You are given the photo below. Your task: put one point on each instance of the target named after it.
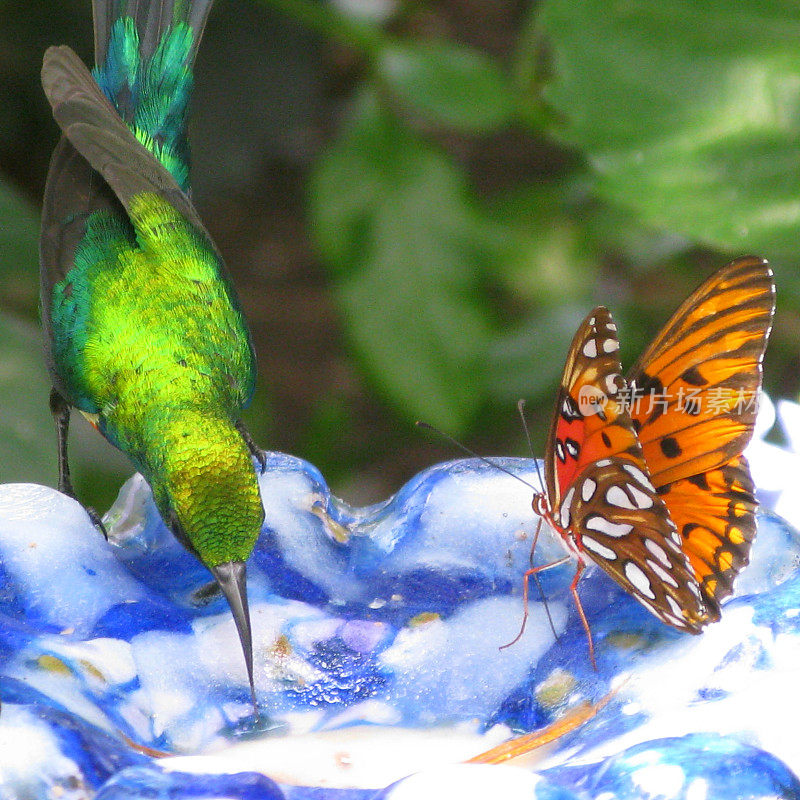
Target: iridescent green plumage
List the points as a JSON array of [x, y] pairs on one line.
[[145, 334]]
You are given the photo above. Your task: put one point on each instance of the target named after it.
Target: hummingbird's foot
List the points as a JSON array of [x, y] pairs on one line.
[[96, 521], [255, 451], [59, 408], [65, 487]]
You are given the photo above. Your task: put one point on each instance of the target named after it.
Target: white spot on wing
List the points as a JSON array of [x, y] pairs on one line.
[[676, 609], [648, 605], [603, 463], [639, 580], [563, 514], [611, 383], [615, 496], [590, 349], [602, 525], [587, 490], [600, 549], [658, 551], [662, 573], [611, 326], [641, 499], [678, 622], [631, 469], [610, 346]]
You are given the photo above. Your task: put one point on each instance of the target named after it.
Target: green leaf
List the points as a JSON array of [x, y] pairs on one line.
[[19, 251], [689, 113], [394, 218], [449, 83]]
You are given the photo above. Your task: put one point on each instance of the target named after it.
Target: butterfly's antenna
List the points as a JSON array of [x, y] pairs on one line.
[[521, 409], [472, 453], [533, 572]]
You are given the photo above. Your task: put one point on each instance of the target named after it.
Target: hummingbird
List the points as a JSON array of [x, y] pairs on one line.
[[144, 332]]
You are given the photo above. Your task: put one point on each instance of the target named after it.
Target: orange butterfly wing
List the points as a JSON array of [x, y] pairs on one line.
[[715, 514], [698, 382], [600, 496]]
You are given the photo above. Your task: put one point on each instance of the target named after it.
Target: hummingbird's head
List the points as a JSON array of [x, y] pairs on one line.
[[208, 492]]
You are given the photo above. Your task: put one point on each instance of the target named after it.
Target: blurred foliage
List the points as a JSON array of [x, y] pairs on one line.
[[475, 177], [404, 244], [683, 121]]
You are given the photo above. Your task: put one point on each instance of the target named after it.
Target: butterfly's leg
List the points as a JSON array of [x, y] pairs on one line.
[[538, 582], [535, 540], [525, 579], [525, 590], [574, 589]]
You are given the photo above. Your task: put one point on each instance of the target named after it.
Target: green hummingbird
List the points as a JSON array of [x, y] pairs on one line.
[[144, 332]]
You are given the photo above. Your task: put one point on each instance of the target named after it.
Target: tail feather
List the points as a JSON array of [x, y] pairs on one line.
[[145, 51], [151, 19]]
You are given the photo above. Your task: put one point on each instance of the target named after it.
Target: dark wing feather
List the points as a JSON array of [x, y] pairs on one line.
[[74, 191], [97, 132]]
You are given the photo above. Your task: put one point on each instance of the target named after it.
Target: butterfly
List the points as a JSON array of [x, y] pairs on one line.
[[645, 476]]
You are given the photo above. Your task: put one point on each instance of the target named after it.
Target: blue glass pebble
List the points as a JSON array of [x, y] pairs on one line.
[[154, 783], [377, 653], [693, 766]]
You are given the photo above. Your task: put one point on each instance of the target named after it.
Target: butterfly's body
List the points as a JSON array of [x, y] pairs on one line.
[[661, 498], [144, 332]]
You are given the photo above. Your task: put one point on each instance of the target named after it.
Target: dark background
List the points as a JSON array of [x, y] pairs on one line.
[[420, 201]]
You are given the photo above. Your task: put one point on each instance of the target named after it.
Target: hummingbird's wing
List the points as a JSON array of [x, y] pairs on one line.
[[74, 192], [96, 131], [100, 165]]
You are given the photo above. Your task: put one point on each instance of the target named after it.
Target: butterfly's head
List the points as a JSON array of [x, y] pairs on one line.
[[540, 505]]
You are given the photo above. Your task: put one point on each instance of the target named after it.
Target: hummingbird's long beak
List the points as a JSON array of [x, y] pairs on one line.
[[232, 579]]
